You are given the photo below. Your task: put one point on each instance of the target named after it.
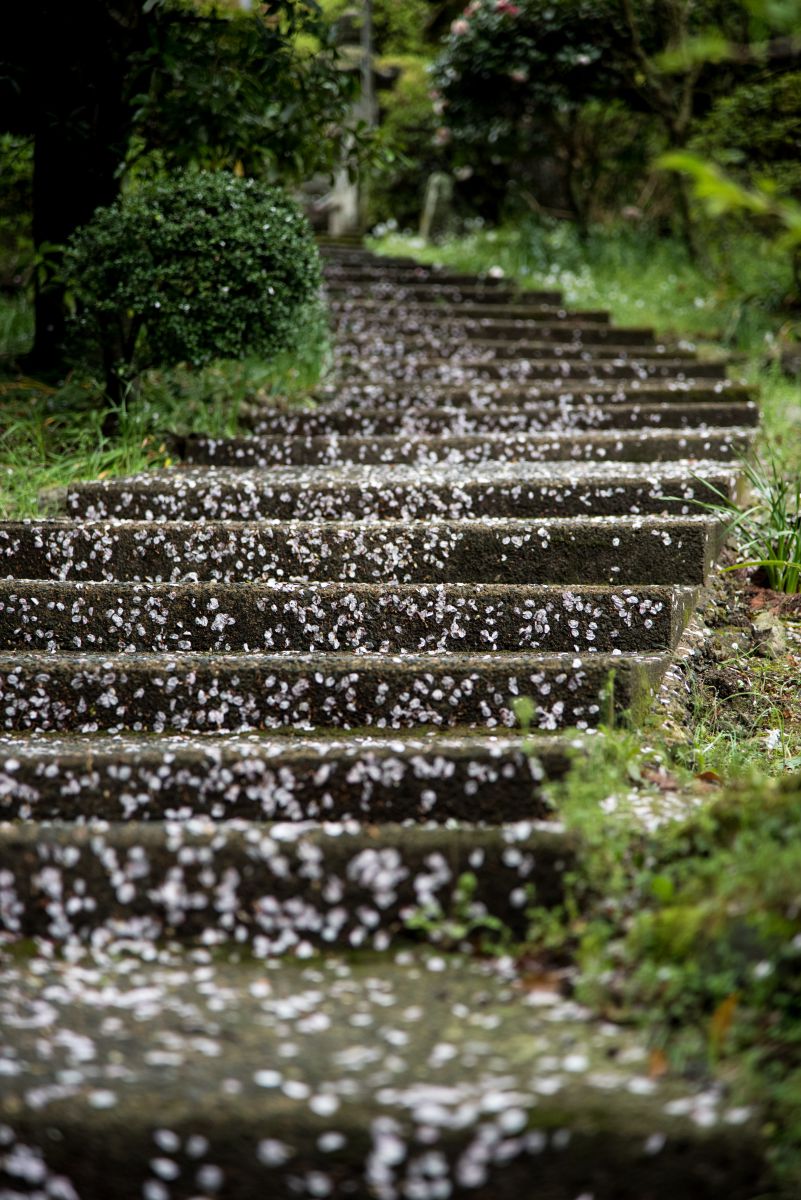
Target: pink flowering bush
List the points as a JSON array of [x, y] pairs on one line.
[[513, 78]]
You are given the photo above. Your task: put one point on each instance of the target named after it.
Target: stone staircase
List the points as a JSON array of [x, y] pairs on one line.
[[259, 708]]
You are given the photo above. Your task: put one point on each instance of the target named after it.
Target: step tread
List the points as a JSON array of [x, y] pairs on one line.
[[509, 1085]]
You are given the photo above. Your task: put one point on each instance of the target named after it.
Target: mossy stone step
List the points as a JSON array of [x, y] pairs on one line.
[[282, 887], [402, 491], [357, 1077], [619, 445], [458, 370], [471, 776], [431, 291], [501, 393], [57, 692], [418, 313], [556, 419], [505, 338], [338, 272], [481, 350], [620, 550], [364, 617]]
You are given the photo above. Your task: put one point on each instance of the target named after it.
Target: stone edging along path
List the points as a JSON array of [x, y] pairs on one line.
[[258, 709]]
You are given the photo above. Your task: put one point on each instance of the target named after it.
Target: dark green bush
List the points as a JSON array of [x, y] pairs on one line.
[[195, 267]]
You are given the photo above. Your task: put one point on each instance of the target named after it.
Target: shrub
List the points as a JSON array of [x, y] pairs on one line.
[[195, 267]]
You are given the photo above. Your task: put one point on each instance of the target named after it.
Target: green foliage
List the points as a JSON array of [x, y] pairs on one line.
[[693, 931], [224, 88], [16, 186], [466, 922], [767, 527], [400, 27], [51, 437], [512, 77], [641, 277], [755, 131], [197, 267], [408, 128]]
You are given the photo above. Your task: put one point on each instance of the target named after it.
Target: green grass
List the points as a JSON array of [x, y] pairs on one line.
[[640, 277], [52, 437]]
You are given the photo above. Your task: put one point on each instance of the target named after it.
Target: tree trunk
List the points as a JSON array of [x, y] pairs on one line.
[[58, 210], [76, 87]]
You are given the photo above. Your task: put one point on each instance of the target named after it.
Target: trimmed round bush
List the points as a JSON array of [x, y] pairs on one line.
[[198, 266]]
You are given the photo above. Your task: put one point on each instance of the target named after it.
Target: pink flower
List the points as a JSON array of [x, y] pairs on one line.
[[503, 6], [460, 27], [442, 136], [472, 9], [520, 75]]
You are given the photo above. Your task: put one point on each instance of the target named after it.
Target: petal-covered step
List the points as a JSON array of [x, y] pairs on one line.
[[346, 1077], [353, 272], [55, 692], [483, 350], [623, 445], [547, 418], [496, 320], [620, 550], [356, 313], [281, 887], [474, 777], [361, 617], [403, 291], [402, 491], [490, 393], [504, 337], [458, 369]]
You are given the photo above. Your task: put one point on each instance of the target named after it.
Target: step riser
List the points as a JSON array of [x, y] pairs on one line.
[[59, 693], [275, 894], [112, 617], [500, 394], [459, 422], [495, 351], [508, 339], [626, 446], [346, 276], [417, 314], [442, 371], [618, 552], [480, 782], [432, 293], [339, 500]]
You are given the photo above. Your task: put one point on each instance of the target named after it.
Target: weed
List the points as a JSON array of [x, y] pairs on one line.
[[466, 922]]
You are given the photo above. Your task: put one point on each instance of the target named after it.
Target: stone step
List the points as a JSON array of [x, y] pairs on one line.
[[345, 272], [355, 617], [624, 445], [557, 419], [473, 777], [460, 370], [404, 492], [502, 352], [503, 336], [500, 393], [58, 692], [425, 1076], [280, 887], [384, 312], [431, 291], [620, 550]]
